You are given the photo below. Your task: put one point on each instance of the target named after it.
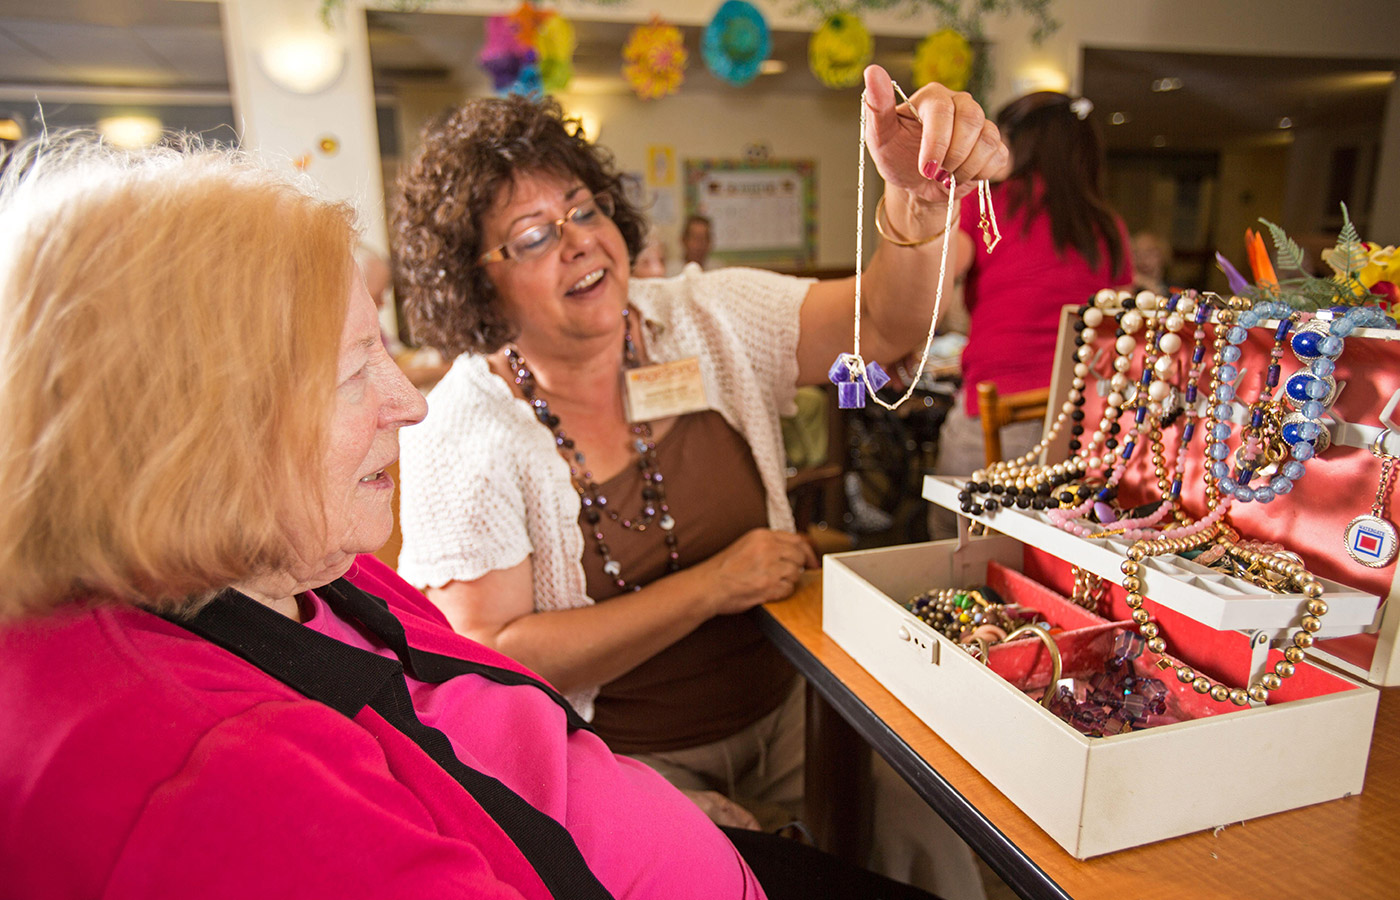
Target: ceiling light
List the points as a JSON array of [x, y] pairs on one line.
[[305, 62], [1159, 141], [1285, 122], [1117, 118], [1039, 78], [772, 67], [1162, 85], [131, 132], [588, 122]]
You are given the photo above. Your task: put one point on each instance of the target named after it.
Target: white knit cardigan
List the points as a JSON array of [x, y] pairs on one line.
[[484, 487]]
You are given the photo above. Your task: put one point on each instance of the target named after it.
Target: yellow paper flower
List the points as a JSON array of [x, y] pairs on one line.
[[945, 57], [555, 43], [840, 50], [655, 59], [555, 39]]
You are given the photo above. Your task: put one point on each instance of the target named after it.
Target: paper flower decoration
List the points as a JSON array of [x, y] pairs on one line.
[[529, 51], [528, 20], [555, 43], [736, 42], [655, 59], [503, 55], [840, 50], [945, 57]]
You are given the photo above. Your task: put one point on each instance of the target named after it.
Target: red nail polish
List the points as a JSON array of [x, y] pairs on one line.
[[931, 170], [941, 175]]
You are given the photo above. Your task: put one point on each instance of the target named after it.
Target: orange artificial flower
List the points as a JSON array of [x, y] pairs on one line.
[[1259, 262]]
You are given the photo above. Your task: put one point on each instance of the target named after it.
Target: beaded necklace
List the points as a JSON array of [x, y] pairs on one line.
[[1309, 393], [595, 504], [1212, 529], [1026, 484]]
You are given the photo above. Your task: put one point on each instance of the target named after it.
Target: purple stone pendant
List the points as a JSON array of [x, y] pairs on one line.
[[850, 393], [850, 385]]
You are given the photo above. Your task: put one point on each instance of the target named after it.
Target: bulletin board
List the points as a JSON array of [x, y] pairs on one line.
[[763, 213]]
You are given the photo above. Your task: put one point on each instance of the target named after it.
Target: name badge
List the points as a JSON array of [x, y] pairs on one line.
[[664, 390]]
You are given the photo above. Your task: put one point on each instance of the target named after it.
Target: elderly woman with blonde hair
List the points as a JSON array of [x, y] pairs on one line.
[[207, 689]]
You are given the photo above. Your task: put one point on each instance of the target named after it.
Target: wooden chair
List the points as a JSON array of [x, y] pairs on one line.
[[816, 491], [997, 411]]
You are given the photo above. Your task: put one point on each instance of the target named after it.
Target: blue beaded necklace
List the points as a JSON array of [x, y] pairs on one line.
[[1309, 393]]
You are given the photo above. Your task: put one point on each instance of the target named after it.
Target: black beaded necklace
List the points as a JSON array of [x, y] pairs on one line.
[[654, 509]]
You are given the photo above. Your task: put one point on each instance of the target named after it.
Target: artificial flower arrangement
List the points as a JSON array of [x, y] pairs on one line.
[[1363, 274]]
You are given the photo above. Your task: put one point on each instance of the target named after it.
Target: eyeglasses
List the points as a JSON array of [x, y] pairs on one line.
[[539, 240]]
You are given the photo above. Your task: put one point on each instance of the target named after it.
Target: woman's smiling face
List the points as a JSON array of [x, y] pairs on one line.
[[577, 289]]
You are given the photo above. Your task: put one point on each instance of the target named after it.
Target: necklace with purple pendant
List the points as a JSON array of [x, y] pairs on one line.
[[654, 510]]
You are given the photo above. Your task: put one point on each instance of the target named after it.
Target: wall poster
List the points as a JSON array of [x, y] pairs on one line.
[[763, 212]]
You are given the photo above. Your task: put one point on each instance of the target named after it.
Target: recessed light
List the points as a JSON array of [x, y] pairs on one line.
[[131, 132], [1285, 122], [1161, 85], [772, 67], [1117, 118], [1159, 140]]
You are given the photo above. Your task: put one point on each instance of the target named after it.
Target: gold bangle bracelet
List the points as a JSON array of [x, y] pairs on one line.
[[1055, 662], [880, 211]]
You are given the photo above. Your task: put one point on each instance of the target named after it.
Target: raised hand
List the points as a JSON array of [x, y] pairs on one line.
[[955, 137]]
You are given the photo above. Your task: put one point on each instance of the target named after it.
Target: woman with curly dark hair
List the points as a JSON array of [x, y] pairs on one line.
[[599, 490]]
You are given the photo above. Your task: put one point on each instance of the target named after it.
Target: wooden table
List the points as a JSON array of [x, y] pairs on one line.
[[1336, 849]]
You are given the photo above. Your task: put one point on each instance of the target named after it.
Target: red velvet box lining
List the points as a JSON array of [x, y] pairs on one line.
[[1087, 640]]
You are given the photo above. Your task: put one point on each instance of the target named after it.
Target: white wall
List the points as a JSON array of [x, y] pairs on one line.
[[820, 127], [288, 125]]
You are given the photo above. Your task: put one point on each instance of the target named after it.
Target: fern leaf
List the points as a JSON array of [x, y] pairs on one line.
[[1348, 235], [1349, 249], [1290, 255]]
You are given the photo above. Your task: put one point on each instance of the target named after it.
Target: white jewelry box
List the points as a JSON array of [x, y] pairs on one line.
[[1098, 795], [1091, 795]]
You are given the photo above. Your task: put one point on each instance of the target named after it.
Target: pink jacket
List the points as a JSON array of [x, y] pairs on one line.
[[139, 760]]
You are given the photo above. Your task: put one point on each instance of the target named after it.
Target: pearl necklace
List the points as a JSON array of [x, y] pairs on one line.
[[595, 504], [1025, 483]]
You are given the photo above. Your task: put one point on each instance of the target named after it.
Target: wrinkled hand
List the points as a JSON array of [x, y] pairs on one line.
[[762, 565], [955, 137], [722, 810]]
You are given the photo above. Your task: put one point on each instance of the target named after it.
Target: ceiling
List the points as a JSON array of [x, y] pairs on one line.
[[80, 56]]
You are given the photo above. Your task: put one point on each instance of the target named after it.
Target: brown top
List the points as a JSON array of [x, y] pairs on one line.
[[725, 674]]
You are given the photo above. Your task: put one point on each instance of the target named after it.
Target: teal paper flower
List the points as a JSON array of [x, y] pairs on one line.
[[736, 42]]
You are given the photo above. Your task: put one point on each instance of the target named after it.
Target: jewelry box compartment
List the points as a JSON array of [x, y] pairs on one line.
[[1092, 795], [1208, 596]]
